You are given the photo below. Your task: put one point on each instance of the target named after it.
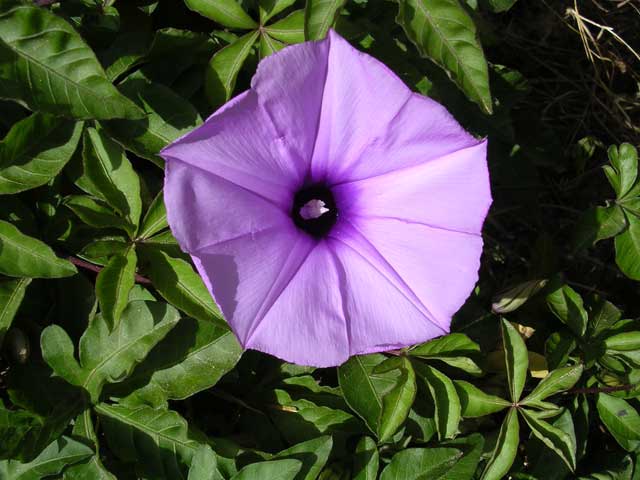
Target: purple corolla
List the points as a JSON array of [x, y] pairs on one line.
[[329, 209]]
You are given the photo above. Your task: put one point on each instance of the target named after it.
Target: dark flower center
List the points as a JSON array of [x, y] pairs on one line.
[[314, 210]]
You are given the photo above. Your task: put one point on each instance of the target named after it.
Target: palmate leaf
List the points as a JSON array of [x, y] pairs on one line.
[[11, 295], [24, 256], [62, 452], [442, 31], [226, 12], [35, 150], [270, 8], [475, 403], [46, 65], [516, 359], [554, 438], [557, 381], [320, 15], [158, 441], [191, 358], [506, 448], [108, 356], [290, 29]]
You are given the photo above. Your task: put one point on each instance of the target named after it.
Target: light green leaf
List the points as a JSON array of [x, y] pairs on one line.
[[567, 305], [47, 66], [223, 68], [35, 150], [445, 399], [475, 403], [516, 359], [155, 219], [623, 341], [273, 470], [290, 29], [628, 249], [624, 160], [422, 464], [598, 223], [455, 349], [111, 177], [269, 45], [113, 284], [557, 381], [506, 448], [11, 295], [53, 459], [270, 8], [513, 298], [366, 460], [168, 116], [204, 465], [397, 403], [95, 213], [554, 438], [226, 12], [158, 441], [443, 32], [320, 15], [313, 454], [180, 285], [621, 419], [191, 358], [24, 256], [108, 356]]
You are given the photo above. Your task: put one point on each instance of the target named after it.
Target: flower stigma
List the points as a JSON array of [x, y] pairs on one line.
[[314, 210]]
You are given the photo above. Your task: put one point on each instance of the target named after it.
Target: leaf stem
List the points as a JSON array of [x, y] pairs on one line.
[[96, 268]]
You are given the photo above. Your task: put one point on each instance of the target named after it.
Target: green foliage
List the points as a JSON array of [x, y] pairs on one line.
[[116, 362]]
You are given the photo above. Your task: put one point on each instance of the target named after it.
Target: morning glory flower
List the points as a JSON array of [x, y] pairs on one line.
[[329, 209]]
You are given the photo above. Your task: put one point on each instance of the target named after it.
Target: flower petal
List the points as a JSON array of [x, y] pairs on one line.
[[361, 98], [306, 324], [205, 209], [451, 192], [439, 266], [247, 275]]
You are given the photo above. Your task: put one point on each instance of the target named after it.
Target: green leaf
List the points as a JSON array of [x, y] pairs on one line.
[[313, 454], [168, 116], [516, 359], [602, 316], [422, 464], [273, 470], [557, 381], [95, 213], [24, 256], [320, 15], [383, 399], [158, 441], [191, 358], [111, 177], [366, 460], [623, 341], [515, 297], [290, 29], [226, 12], [47, 66], [443, 32], [558, 347], [108, 356], [475, 403], [598, 223], [554, 438], [445, 398], [506, 448], [270, 8], [628, 249], [454, 349], [269, 45], [223, 68], [113, 284], [204, 465], [567, 305], [155, 219], [621, 419], [53, 459], [180, 285], [624, 160], [11, 295], [35, 150], [498, 6]]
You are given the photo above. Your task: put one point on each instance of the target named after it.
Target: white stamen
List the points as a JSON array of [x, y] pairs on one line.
[[313, 209]]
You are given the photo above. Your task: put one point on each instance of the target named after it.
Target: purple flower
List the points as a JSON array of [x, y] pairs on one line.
[[329, 210]]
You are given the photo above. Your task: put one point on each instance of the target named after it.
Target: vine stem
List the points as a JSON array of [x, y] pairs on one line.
[[96, 268]]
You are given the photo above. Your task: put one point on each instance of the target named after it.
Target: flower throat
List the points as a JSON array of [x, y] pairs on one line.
[[314, 210]]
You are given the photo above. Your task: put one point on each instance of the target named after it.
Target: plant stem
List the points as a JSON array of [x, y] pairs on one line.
[[96, 268]]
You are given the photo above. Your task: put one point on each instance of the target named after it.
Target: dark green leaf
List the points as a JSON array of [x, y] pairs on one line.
[[567, 305], [455, 349], [558, 347], [422, 464], [475, 403], [516, 359], [290, 29], [602, 316], [46, 65], [274, 469], [443, 32], [155, 219], [506, 448], [35, 150], [320, 15], [366, 460], [623, 175], [598, 223], [499, 6], [557, 381], [621, 419], [313, 454], [445, 398], [554, 438], [113, 284], [270, 8], [515, 297], [204, 465], [226, 12], [95, 213], [628, 249], [24, 256], [11, 295]]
